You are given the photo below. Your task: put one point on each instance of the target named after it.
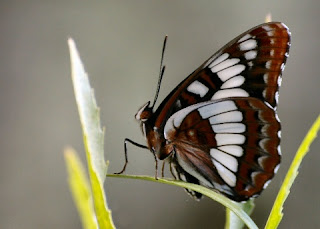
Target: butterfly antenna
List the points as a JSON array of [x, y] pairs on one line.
[[162, 68]]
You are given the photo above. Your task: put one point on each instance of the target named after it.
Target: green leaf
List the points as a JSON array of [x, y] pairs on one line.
[[233, 206], [93, 136], [276, 212], [80, 189], [233, 221]]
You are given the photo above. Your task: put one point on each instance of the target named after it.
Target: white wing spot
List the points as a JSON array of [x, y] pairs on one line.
[[276, 168], [232, 150], [279, 150], [225, 174], [231, 116], [228, 161], [248, 45], [264, 93], [272, 52], [266, 184], [265, 129], [224, 64], [234, 92], [276, 97], [248, 187], [226, 74], [191, 132], [230, 139], [245, 37], [261, 160], [251, 55], [254, 174], [216, 108], [183, 177], [279, 80], [198, 88], [266, 27], [266, 78], [262, 143], [236, 81], [268, 64], [270, 33], [229, 128], [221, 58]]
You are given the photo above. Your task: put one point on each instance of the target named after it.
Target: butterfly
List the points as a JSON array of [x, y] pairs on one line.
[[219, 127]]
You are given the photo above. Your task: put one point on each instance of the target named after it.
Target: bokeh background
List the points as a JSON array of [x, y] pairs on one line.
[[120, 43]]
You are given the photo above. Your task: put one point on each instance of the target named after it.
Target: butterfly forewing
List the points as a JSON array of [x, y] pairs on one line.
[[248, 66], [231, 144]]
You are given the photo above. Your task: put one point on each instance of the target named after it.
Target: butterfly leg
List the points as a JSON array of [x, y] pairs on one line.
[[162, 169], [126, 154], [156, 166]]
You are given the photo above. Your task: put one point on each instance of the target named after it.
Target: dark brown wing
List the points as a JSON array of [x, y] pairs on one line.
[[231, 145], [248, 66]]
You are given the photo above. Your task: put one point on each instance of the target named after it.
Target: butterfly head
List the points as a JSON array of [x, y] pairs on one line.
[[144, 113]]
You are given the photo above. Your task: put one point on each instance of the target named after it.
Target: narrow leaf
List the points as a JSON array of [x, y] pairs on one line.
[[276, 212], [93, 136], [80, 189], [233, 221]]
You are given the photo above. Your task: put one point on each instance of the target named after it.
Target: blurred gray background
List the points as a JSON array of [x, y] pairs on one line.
[[120, 43]]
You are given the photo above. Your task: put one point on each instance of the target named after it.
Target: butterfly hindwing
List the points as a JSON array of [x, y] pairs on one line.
[[231, 144]]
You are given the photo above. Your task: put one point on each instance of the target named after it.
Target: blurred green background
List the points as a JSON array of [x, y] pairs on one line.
[[120, 43]]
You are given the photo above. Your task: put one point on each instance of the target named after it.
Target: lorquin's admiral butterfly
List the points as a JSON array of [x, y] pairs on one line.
[[219, 127]]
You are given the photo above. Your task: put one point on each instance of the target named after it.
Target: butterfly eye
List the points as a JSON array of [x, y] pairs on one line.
[[144, 113]]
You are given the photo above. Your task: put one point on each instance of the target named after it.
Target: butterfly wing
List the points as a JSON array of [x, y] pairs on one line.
[[248, 66], [231, 145]]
